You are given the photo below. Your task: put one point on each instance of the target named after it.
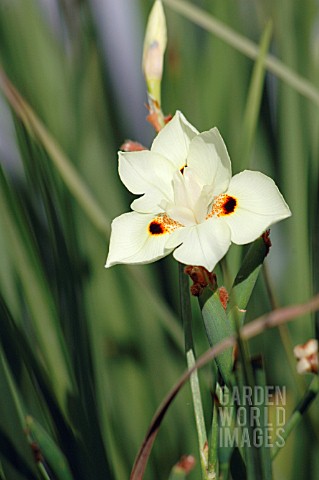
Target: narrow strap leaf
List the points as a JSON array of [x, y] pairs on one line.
[[218, 327]]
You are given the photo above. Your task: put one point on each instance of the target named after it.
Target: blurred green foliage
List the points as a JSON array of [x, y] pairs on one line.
[[89, 353]]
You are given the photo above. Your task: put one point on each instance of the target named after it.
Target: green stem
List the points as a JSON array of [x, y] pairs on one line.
[[296, 416], [252, 108], [283, 332], [186, 313], [213, 465], [44, 474]]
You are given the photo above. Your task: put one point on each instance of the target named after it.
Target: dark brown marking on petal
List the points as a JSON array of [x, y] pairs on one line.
[[223, 205], [229, 205], [162, 224], [156, 228]]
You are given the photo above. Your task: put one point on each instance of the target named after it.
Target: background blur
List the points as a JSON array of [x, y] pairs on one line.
[[89, 353]]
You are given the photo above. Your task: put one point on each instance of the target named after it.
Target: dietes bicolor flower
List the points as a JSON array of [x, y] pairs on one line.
[[190, 204]]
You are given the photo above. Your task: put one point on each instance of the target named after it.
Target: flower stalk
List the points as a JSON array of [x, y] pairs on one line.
[[297, 415], [186, 314]]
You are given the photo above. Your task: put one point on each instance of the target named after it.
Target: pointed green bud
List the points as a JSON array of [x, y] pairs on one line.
[[154, 48]]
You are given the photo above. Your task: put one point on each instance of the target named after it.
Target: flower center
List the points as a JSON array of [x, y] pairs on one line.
[[162, 224], [223, 205]]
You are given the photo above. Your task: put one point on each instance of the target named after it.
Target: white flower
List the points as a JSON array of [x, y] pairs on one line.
[[190, 202], [307, 356]]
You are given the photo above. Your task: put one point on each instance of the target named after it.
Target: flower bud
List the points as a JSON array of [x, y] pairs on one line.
[[154, 48]]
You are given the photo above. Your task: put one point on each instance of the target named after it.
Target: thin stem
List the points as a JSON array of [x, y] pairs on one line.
[[251, 329], [297, 415], [283, 331], [186, 313], [213, 465], [245, 378], [43, 472], [253, 104]]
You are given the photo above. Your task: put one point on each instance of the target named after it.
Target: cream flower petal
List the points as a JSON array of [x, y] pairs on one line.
[[147, 173], [191, 199], [142, 170], [209, 159], [186, 191], [203, 245], [148, 203], [183, 215], [132, 240], [173, 140], [178, 236], [259, 204]]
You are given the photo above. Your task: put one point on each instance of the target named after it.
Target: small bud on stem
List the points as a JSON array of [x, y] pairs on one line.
[[153, 57], [154, 49]]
